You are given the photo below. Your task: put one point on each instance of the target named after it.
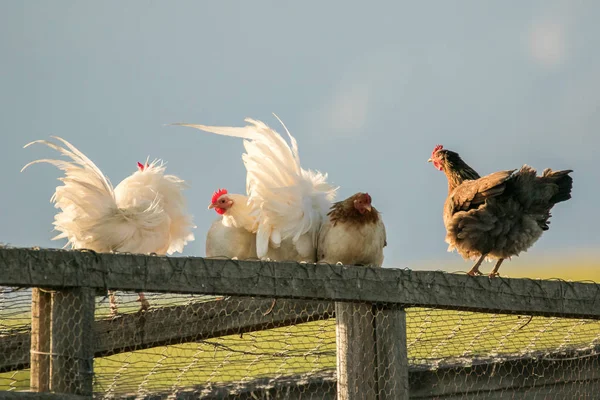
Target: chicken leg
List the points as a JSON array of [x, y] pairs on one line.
[[112, 298], [145, 305], [475, 270], [496, 267]]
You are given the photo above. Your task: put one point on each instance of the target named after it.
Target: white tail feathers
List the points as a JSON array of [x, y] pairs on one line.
[[289, 201], [244, 133], [145, 213]]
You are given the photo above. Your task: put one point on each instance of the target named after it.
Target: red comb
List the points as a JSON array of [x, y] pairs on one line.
[[218, 194], [368, 197], [436, 149], [141, 166]]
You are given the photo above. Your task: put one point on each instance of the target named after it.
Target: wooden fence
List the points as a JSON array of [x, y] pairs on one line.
[[305, 292]]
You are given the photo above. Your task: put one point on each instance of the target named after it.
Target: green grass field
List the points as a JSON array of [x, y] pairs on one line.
[[434, 337]]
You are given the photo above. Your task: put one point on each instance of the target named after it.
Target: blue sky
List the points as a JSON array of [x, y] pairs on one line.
[[367, 89]]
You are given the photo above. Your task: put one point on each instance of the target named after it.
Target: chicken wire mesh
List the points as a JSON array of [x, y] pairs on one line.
[[476, 355], [216, 346], [192, 346], [15, 328]]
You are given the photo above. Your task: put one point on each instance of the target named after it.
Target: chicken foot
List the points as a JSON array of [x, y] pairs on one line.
[[475, 270], [494, 272], [114, 309]]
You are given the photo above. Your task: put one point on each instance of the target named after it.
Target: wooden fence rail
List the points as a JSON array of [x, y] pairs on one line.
[[195, 275]]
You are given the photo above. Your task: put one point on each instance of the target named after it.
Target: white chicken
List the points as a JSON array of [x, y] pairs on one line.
[[285, 204], [233, 235], [145, 213]]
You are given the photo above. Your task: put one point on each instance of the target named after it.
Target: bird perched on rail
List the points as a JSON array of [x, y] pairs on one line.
[[233, 234], [499, 215], [145, 213], [285, 204], [353, 234]]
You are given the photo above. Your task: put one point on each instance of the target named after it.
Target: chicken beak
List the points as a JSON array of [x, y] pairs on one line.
[[368, 208], [211, 205], [430, 160]]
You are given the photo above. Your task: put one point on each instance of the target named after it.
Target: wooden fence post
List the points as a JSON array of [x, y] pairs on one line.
[[72, 341], [371, 352], [355, 351], [392, 355], [39, 379]]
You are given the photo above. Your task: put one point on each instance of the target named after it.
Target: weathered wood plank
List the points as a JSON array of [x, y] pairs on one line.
[[392, 353], [39, 379], [372, 360], [201, 321], [40, 396], [180, 324], [72, 352], [15, 351], [356, 351], [57, 268], [559, 375], [314, 386], [564, 375]]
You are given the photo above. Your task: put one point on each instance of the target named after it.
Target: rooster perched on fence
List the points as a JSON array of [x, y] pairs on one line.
[[499, 215], [145, 213], [285, 204]]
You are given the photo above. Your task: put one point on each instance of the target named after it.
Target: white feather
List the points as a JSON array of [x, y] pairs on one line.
[[287, 200], [230, 241], [145, 213]]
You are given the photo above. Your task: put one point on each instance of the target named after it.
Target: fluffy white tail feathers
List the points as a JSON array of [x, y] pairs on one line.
[[145, 213], [289, 201]]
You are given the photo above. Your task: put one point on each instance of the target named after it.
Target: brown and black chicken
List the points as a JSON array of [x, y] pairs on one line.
[[499, 215]]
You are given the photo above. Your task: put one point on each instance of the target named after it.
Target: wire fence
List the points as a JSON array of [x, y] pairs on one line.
[[249, 347]]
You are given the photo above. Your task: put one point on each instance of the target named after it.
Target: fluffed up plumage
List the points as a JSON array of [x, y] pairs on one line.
[[284, 201], [145, 213], [499, 215], [353, 234]]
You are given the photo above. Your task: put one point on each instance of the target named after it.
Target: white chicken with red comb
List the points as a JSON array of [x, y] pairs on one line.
[[234, 234], [285, 204], [146, 213]]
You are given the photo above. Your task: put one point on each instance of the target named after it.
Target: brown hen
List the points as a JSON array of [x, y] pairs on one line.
[[353, 233], [500, 215]]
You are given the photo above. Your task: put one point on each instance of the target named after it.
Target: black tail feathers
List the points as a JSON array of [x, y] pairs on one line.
[[563, 181]]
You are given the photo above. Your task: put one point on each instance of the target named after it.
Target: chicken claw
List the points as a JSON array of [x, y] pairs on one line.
[[494, 272], [475, 270]]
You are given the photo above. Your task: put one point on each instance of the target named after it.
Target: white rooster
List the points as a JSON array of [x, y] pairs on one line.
[[145, 213], [285, 204]]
